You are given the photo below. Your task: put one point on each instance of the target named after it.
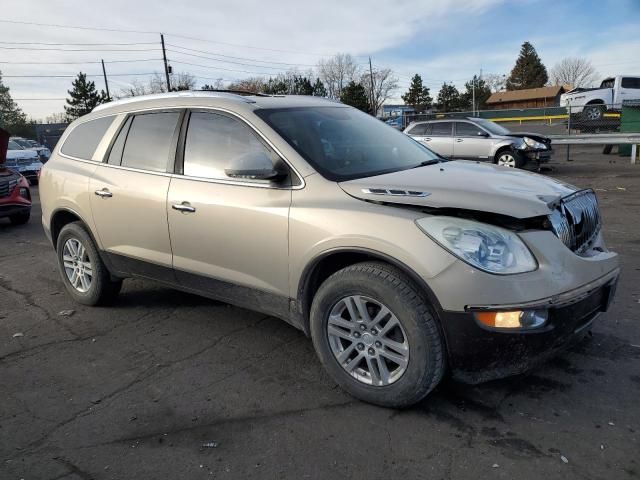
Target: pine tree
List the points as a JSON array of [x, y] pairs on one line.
[[11, 116], [483, 92], [529, 71], [319, 89], [448, 98], [302, 86], [418, 95], [83, 97], [355, 95]]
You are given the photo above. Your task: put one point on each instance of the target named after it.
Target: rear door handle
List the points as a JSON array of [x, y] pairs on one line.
[[459, 140], [104, 193], [427, 139], [184, 207]]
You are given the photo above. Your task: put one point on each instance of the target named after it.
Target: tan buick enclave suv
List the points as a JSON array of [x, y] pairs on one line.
[[400, 265]]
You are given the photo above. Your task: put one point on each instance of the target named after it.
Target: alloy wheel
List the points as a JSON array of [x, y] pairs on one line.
[[368, 340], [77, 265], [507, 160]]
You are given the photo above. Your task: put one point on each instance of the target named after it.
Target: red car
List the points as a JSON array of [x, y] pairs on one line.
[[15, 196]]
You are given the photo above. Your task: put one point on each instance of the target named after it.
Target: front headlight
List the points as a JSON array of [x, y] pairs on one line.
[[487, 247], [531, 143]]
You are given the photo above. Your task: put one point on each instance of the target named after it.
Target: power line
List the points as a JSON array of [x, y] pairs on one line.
[[84, 63], [55, 25], [240, 58], [220, 68], [82, 49], [75, 75], [78, 44]]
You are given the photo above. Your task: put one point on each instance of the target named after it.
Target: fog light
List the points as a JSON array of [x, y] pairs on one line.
[[24, 192], [523, 319]]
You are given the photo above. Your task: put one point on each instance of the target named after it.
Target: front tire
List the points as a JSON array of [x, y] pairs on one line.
[[509, 158], [85, 276], [377, 336], [593, 113]]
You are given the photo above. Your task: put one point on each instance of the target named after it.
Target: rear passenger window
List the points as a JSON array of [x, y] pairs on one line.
[[84, 139], [149, 140], [442, 129], [421, 129], [630, 82], [213, 141], [115, 155]]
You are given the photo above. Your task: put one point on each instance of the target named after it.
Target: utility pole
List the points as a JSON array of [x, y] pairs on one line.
[[166, 66], [473, 96], [373, 100], [106, 83]]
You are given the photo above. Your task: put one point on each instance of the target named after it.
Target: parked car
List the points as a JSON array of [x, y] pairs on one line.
[[395, 122], [480, 139], [592, 103], [24, 161], [400, 265], [15, 197], [43, 152]]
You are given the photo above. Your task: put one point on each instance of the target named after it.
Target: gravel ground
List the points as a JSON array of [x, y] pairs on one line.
[[135, 390]]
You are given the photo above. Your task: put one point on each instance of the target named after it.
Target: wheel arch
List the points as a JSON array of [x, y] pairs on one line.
[[328, 262], [502, 148], [63, 216], [595, 101]]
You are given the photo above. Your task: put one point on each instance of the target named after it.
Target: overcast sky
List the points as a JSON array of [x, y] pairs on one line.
[[441, 40]]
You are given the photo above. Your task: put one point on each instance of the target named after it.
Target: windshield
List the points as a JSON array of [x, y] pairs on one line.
[[344, 143], [22, 143], [492, 127], [608, 83], [14, 146]]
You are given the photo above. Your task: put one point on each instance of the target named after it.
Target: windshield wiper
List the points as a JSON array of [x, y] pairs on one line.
[[433, 161]]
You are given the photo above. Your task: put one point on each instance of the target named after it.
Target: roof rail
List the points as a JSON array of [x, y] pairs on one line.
[[184, 93], [244, 93]]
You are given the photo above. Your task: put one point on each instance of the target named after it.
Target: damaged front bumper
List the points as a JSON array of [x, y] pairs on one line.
[[478, 354]]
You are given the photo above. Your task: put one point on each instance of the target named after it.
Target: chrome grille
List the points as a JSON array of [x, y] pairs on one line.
[[7, 186], [577, 220]]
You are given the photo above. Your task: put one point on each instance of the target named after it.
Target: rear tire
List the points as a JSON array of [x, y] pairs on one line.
[[85, 276], [20, 218], [364, 352]]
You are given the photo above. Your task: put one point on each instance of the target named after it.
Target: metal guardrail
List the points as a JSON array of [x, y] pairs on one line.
[[632, 139]]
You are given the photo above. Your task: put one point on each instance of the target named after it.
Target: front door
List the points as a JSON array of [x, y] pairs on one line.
[[129, 193], [229, 237]]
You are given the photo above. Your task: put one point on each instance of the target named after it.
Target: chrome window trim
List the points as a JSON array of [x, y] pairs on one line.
[[202, 179]]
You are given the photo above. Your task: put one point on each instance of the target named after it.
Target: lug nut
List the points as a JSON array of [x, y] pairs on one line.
[[372, 351], [356, 334], [360, 346], [362, 327], [374, 331], [378, 344]]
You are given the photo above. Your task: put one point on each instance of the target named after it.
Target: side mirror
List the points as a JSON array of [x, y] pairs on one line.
[[483, 134], [254, 166]]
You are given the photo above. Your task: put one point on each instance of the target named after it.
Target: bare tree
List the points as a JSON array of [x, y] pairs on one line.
[[217, 85], [574, 71], [495, 81], [58, 117], [384, 84], [157, 84], [250, 84], [336, 72]]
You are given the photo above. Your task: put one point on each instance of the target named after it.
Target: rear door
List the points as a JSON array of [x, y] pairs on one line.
[[441, 138], [129, 195], [629, 89], [471, 142]]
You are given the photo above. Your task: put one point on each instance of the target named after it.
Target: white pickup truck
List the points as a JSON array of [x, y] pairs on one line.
[[592, 103]]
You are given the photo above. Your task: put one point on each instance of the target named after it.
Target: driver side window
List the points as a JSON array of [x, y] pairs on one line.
[[215, 142]]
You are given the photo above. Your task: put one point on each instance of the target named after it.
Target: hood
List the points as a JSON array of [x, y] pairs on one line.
[[532, 135], [14, 154], [465, 185]]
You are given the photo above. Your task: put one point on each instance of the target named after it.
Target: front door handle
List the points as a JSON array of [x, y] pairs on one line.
[[104, 193], [184, 207], [427, 139], [459, 140]]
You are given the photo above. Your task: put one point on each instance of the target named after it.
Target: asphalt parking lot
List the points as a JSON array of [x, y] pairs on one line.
[[137, 389]]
